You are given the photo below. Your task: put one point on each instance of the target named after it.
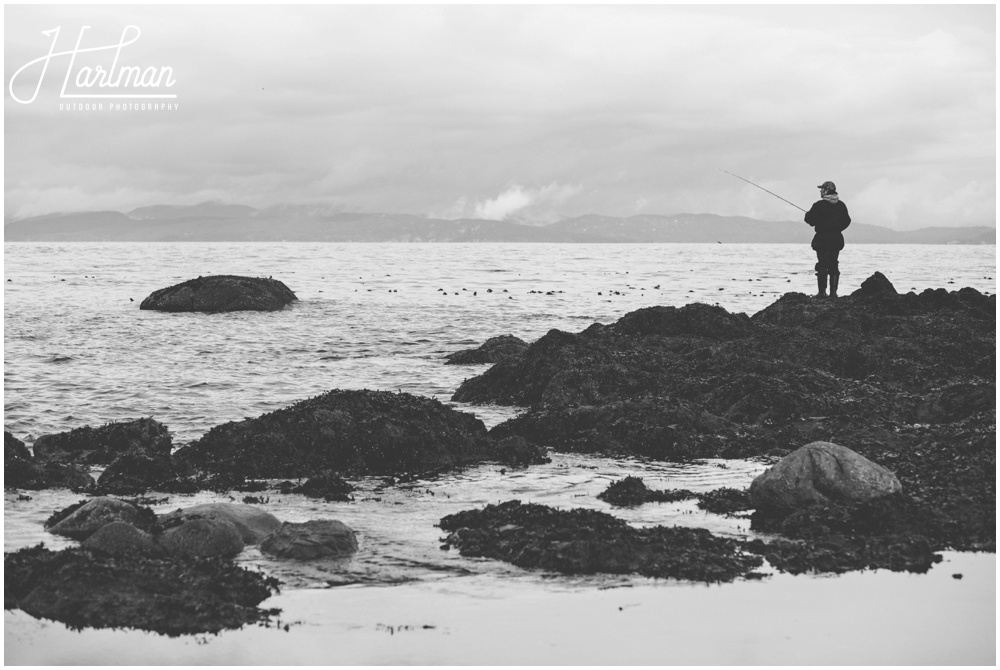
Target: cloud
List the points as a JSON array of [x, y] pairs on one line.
[[412, 108], [527, 205]]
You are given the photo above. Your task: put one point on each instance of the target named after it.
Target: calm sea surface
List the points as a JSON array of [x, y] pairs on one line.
[[77, 350]]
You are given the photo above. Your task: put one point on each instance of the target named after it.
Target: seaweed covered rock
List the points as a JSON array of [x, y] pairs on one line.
[[326, 485], [632, 491], [363, 432], [172, 596], [22, 471], [318, 538], [725, 500], [516, 451], [83, 519], [52, 476], [19, 468], [134, 473], [584, 541], [819, 473], [221, 293], [491, 351], [253, 523], [104, 444], [908, 343], [14, 450]]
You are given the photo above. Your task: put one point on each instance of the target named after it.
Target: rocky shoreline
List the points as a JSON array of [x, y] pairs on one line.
[[906, 382]]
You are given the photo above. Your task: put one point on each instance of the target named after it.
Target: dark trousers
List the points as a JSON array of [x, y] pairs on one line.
[[827, 262]]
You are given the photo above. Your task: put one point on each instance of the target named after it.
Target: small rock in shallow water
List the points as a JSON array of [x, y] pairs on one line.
[[319, 538]]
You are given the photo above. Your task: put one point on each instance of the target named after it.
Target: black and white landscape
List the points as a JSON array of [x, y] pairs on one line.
[[494, 335]]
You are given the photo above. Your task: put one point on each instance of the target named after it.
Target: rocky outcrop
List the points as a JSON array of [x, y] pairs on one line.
[[362, 432], [199, 537], [582, 541], [319, 538], [83, 519], [172, 596], [810, 353], [907, 381], [491, 351], [221, 293], [104, 444], [820, 473], [253, 524]]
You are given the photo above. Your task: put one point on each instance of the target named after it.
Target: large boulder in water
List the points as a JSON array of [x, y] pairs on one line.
[[319, 538], [221, 293], [820, 473], [364, 432], [104, 444], [201, 538], [253, 523]]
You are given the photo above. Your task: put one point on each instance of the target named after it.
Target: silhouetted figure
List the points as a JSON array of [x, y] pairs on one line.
[[829, 217]]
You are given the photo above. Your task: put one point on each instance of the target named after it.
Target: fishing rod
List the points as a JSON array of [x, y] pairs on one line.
[[761, 188]]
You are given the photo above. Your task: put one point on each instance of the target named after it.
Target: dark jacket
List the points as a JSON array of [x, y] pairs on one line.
[[829, 219]]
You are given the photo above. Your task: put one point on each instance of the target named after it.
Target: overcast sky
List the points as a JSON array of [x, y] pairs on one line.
[[529, 113]]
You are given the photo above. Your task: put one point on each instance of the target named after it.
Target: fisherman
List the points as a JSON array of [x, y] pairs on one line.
[[830, 218]]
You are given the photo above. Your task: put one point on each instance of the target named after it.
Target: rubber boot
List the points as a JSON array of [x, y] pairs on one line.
[[821, 283], [834, 282]]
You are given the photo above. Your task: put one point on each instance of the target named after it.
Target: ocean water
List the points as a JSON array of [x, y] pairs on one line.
[[78, 351]]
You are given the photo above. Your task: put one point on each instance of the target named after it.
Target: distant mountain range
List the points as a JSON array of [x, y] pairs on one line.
[[213, 222]]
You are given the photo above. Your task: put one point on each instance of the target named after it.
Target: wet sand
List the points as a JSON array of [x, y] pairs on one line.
[[877, 618]]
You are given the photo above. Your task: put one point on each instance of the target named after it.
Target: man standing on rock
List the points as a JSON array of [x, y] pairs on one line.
[[830, 218]]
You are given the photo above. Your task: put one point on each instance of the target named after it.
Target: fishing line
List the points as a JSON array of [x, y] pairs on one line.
[[762, 188]]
